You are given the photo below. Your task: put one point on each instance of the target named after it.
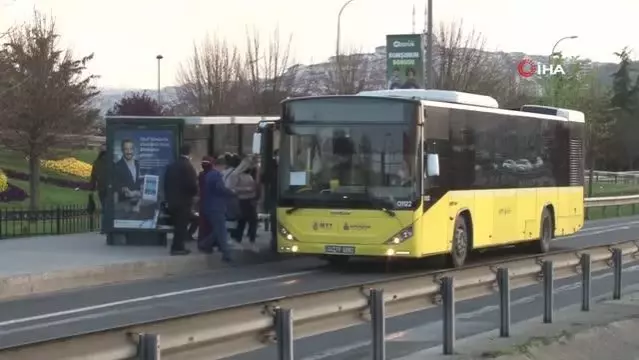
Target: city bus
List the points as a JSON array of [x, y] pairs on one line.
[[421, 173]]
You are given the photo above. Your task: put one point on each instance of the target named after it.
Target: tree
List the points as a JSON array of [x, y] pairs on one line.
[[568, 90], [349, 73], [47, 95], [137, 104], [625, 104], [209, 81], [268, 76], [461, 63]]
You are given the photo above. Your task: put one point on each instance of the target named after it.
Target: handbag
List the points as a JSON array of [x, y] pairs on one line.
[[232, 204]]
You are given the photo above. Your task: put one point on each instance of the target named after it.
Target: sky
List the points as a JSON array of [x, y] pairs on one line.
[[126, 35]]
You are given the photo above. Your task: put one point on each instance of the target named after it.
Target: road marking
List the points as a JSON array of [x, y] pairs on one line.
[[609, 226], [592, 233], [150, 297]]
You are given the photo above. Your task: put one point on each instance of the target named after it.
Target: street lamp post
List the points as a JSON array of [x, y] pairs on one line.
[[337, 41], [553, 52], [550, 61], [159, 58]]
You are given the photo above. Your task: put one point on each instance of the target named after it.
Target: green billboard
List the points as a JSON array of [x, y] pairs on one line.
[[404, 61]]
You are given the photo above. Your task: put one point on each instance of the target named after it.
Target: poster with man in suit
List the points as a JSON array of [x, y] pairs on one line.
[[140, 158]]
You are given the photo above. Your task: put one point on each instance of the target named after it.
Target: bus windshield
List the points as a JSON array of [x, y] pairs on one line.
[[344, 164]]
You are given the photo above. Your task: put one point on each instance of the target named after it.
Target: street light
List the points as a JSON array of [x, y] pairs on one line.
[[553, 91], [553, 52], [159, 58], [337, 41]]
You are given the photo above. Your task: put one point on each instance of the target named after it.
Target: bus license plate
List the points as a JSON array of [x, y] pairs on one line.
[[338, 249]]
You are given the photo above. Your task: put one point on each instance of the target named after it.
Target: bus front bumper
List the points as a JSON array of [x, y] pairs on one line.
[[344, 249]]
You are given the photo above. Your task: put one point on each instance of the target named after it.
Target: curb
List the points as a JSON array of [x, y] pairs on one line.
[[20, 285]]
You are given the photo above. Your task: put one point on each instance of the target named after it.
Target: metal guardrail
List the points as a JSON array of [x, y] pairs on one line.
[[611, 201], [243, 328]]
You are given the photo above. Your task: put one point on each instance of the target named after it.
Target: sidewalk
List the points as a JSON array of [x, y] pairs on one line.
[[609, 331], [50, 263]]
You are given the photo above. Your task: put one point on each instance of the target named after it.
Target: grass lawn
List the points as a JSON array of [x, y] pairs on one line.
[[607, 189], [50, 196]]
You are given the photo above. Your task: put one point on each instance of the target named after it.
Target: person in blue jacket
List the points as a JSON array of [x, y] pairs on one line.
[[214, 206]]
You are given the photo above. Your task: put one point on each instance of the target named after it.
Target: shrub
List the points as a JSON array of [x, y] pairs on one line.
[[4, 182], [13, 193], [70, 166]]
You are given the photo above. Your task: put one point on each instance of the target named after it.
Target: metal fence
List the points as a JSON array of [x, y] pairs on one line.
[[56, 220], [72, 219]]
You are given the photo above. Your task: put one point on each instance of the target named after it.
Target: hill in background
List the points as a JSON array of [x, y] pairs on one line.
[[315, 74]]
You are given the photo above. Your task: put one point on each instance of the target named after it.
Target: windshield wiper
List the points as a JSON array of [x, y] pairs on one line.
[[379, 204], [292, 210]]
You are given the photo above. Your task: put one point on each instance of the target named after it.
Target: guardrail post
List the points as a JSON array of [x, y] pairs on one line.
[[548, 274], [149, 347], [503, 280], [284, 333], [586, 280], [617, 263], [378, 321], [448, 300]]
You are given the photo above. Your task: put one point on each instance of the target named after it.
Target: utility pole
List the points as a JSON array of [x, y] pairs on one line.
[[429, 48]]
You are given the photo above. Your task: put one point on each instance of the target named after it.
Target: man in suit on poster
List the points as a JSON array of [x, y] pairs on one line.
[[127, 178]]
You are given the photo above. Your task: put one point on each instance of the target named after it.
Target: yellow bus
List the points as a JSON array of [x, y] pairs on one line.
[[418, 173]]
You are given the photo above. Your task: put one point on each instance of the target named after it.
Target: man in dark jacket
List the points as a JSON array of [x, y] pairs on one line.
[[180, 188], [214, 205], [99, 181], [203, 224]]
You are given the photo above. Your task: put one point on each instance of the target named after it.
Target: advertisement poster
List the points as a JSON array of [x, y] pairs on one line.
[[404, 61], [140, 158]]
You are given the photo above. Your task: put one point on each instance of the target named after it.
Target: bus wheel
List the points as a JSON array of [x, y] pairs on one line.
[[337, 260], [545, 232], [461, 243]]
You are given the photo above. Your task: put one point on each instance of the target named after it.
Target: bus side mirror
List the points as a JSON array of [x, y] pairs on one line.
[[257, 143], [432, 165]]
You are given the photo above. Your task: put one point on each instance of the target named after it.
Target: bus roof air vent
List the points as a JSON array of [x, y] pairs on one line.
[[570, 115], [448, 96]]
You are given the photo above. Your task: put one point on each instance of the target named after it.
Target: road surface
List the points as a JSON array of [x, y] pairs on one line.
[[50, 316]]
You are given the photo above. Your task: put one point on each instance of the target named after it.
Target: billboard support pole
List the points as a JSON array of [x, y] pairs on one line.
[[429, 48]]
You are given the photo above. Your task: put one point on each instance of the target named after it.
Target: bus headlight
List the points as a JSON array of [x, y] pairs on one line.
[[285, 233], [403, 235]]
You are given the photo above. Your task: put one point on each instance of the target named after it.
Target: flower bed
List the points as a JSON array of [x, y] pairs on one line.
[[13, 193], [65, 183], [70, 166], [4, 182]]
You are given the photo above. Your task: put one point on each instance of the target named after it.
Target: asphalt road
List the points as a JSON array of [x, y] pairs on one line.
[[50, 316]]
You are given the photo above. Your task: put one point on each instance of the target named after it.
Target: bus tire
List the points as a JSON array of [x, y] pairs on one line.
[[545, 232], [461, 243], [337, 260]]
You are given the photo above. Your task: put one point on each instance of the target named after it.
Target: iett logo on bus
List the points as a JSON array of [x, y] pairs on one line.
[[527, 68]]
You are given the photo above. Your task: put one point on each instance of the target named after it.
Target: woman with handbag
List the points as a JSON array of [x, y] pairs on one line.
[[246, 188]]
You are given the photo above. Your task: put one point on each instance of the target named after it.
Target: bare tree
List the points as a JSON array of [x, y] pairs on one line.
[[47, 95], [461, 63], [268, 75], [349, 73], [208, 82]]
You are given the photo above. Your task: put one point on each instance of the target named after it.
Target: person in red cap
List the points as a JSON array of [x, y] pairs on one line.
[[204, 226]]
